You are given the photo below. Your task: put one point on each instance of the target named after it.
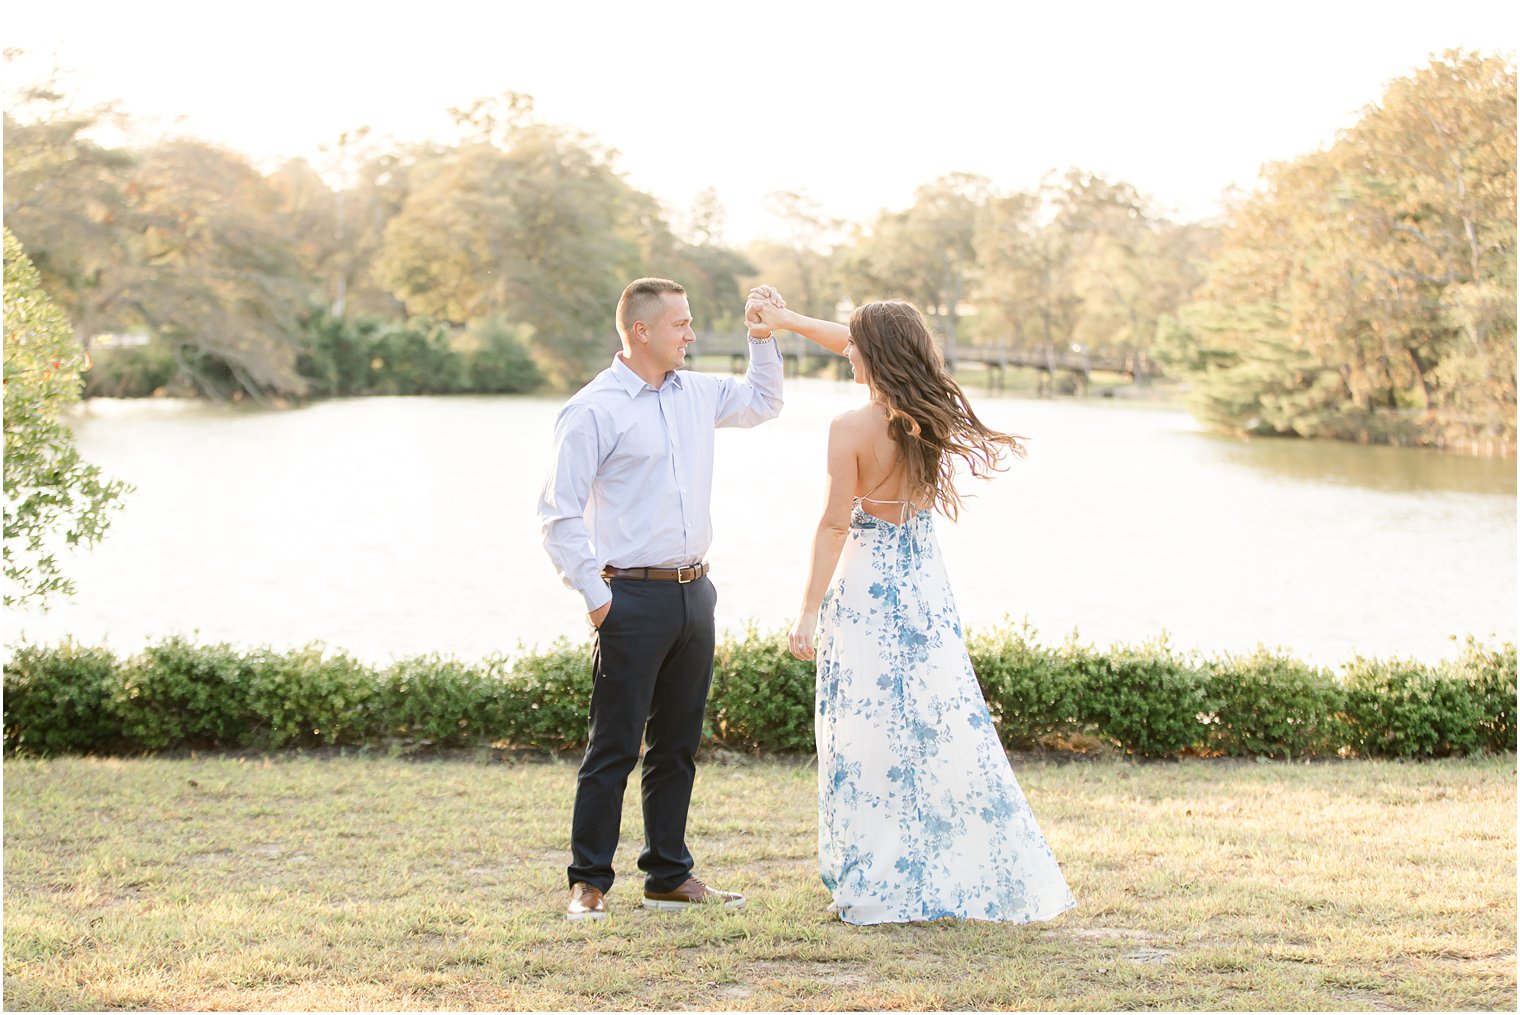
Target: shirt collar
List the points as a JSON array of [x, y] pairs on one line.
[[631, 382]]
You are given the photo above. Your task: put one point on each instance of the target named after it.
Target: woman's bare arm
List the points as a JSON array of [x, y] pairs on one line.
[[829, 334], [833, 527]]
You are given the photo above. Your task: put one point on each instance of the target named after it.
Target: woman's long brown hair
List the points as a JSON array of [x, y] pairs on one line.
[[927, 413]]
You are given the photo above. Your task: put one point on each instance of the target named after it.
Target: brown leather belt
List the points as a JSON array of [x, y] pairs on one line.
[[685, 575]]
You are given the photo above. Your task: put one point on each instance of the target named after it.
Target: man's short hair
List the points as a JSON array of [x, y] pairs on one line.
[[639, 297]]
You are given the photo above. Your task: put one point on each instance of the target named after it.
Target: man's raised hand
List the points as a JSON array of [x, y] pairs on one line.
[[761, 310]]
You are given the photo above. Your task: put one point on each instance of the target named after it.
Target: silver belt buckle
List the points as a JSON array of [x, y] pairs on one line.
[[682, 571]]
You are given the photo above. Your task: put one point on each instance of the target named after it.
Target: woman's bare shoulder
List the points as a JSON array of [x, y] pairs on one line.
[[863, 431], [867, 419]]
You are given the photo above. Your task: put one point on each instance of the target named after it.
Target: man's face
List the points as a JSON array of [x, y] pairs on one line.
[[669, 330]]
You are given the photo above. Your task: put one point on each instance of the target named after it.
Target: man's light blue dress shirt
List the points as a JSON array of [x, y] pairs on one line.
[[630, 482]]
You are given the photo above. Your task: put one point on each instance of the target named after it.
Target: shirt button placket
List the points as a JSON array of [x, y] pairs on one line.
[[673, 443]]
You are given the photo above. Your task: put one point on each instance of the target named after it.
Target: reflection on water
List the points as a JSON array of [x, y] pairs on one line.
[[1404, 470], [392, 527]]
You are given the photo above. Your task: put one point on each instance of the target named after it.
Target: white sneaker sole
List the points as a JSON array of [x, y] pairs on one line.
[[585, 916], [673, 907]]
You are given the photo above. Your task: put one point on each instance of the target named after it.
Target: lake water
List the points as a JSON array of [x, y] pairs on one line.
[[390, 527]]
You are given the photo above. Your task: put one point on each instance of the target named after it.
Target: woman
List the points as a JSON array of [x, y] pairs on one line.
[[920, 816]]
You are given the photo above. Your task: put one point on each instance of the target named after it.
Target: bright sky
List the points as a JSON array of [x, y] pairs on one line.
[[854, 103]]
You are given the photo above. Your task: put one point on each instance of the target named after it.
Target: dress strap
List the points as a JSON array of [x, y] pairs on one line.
[[903, 504]]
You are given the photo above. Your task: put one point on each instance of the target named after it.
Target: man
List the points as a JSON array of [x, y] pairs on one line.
[[627, 523]]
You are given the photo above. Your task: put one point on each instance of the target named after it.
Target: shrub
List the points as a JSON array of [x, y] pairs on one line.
[[762, 697], [548, 699], [439, 701], [303, 699], [57, 700], [1032, 691], [130, 371], [1491, 671], [1271, 705], [1404, 709], [415, 358], [337, 352], [364, 355], [53, 497], [1146, 699], [176, 694], [496, 357]]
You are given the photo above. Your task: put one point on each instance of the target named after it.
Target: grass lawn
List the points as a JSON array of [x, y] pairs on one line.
[[330, 882]]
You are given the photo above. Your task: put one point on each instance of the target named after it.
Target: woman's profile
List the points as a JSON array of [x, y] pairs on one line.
[[920, 816]]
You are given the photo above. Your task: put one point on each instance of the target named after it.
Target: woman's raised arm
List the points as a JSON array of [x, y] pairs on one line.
[[763, 303]]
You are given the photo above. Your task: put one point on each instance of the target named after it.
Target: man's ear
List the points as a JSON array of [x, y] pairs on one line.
[[639, 333]]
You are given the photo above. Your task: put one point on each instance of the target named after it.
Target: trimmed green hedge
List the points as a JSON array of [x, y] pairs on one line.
[[1271, 705], [1147, 700]]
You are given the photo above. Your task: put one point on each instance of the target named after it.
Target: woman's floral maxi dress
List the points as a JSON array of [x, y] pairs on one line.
[[919, 814]]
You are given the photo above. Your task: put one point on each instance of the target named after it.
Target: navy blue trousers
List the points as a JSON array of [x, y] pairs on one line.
[[652, 667]]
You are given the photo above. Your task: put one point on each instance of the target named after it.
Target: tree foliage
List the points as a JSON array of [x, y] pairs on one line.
[[51, 494], [521, 223], [1367, 292], [802, 260], [926, 252], [181, 239], [712, 272], [214, 273], [1079, 261], [528, 221]]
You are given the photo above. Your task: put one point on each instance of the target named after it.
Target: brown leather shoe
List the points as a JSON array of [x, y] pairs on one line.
[[692, 893], [586, 903]]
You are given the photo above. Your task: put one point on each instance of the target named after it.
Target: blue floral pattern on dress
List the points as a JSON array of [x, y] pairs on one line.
[[919, 814]]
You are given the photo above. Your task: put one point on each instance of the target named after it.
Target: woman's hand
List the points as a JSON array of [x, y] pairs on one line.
[[767, 294], [764, 316], [762, 311], [804, 634]]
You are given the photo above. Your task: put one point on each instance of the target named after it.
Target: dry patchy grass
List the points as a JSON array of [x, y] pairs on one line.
[[299, 882]]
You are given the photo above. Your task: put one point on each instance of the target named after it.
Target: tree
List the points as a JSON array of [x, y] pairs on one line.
[[531, 222], [50, 492], [65, 198], [711, 275], [1079, 261], [212, 271], [709, 269], [182, 239], [1010, 246], [496, 358], [927, 252], [337, 218], [1437, 162], [1108, 232], [1367, 292], [799, 261]]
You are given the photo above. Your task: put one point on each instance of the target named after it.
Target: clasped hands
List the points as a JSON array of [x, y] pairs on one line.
[[762, 311]]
